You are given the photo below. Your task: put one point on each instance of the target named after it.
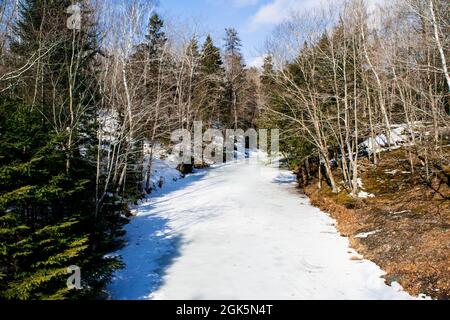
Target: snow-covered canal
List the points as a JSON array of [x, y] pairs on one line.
[[241, 231]]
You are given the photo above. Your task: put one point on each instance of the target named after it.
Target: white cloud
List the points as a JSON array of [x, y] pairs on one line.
[[279, 10], [257, 62]]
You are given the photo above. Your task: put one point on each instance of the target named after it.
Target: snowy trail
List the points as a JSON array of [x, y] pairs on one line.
[[241, 231]]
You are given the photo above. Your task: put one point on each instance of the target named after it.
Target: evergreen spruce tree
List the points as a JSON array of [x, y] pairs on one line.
[[267, 77], [48, 143], [192, 76], [211, 61], [41, 208], [235, 76], [250, 101], [212, 84], [233, 43], [153, 50], [150, 62], [156, 37]]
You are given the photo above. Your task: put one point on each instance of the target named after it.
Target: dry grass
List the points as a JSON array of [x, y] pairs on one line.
[[413, 240]]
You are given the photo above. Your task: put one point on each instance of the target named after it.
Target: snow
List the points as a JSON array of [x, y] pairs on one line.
[[241, 231], [366, 234], [399, 134], [110, 127], [363, 194], [163, 166], [360, 183], [164, 171], [393, 172]]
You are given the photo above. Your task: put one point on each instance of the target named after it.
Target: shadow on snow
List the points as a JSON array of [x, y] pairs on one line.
[[151, 247]]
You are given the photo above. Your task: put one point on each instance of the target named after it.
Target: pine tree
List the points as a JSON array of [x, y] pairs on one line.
[[156, 37], [47, 202], [211, 90], [192, 78], [151, 63], [250, 102], [153, 50], [233, 43], [211, 61], [267, 81], [267, 76], [235, 75], [39, 231]]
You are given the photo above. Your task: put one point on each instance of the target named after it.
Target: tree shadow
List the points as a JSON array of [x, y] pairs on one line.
[[284, 178], [151, 246]]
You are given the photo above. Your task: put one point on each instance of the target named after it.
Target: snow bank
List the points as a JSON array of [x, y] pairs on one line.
[[164, 166], [399, 134]]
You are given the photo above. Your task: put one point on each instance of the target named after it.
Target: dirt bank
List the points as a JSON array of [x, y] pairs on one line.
[[403, 226]]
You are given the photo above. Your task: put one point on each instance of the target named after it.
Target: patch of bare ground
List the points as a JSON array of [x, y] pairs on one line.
[[404, 228]]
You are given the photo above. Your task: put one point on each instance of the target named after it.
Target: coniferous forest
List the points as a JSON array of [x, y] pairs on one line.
[[91, 92]]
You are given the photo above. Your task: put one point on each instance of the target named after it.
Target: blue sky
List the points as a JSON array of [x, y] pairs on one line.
[[254, 19], [215, 15]]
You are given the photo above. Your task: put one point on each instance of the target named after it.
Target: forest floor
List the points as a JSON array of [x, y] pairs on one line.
[[403, 226], [241, 231]]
